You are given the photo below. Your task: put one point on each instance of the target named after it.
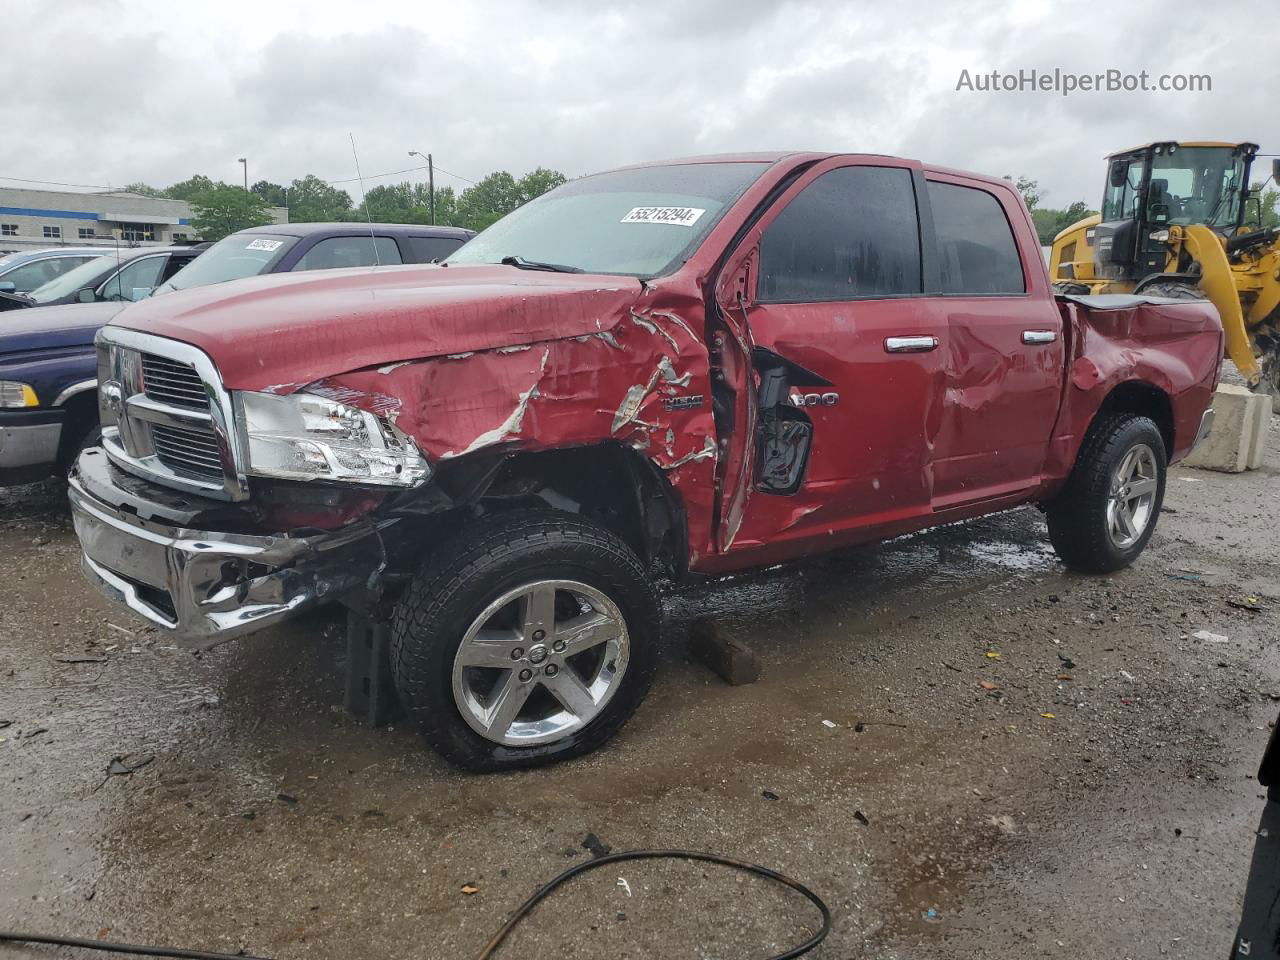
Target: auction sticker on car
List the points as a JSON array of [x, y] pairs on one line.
[[264, 244], [680, 216]]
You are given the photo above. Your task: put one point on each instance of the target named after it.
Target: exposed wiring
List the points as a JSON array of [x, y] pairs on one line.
[[523, 911]]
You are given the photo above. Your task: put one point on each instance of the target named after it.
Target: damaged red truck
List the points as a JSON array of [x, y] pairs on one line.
[[669, 370]]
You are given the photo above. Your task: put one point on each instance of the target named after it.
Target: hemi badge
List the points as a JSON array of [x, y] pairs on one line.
[[683, 403]]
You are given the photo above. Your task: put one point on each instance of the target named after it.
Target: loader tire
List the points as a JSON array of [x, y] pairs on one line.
[[1172, 290], [1269, 382], [529, 638], [1104, 516]]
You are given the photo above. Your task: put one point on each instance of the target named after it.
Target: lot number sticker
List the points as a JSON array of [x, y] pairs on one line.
[[680, 216], [264, 244]]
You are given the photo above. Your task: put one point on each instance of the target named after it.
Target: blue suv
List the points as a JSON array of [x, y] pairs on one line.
[[48, 374]]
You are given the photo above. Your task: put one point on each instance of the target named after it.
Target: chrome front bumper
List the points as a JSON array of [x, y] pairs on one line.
[[206, 587]]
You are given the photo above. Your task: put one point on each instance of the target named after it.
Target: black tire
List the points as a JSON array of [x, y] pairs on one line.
[[1269, 383], [480, 564], [1069, 288], [1079, 526], [80, 439], [1173, 290]]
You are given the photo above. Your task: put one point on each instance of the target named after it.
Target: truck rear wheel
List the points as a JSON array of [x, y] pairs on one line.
[[529, 638], [1107, 512]]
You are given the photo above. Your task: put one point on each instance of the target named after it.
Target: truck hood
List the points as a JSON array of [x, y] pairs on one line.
[[281, 332], [52, 328]]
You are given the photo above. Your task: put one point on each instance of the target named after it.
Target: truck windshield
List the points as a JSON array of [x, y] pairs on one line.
[[641, 222], [231, 258], [85, 275]]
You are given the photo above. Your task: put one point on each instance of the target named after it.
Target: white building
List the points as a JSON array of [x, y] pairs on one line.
[[31, 219]]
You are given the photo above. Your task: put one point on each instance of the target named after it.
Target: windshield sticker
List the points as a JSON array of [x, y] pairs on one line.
[[263, 244], [680, 216]]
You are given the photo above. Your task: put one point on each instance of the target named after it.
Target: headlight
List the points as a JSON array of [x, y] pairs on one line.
[[15, 394], [306, 437]]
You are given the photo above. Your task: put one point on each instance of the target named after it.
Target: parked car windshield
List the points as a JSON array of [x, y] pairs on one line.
[[231, 258], [85, 275], [640, 222]]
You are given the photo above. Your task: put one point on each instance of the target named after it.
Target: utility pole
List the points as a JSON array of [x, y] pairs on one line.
[[431, 181], [245, 163]]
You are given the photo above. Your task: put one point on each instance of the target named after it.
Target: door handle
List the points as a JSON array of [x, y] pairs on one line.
[[910, 344], [1039, 336]]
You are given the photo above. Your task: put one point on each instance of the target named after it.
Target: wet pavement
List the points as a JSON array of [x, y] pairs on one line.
[[1014, 759]]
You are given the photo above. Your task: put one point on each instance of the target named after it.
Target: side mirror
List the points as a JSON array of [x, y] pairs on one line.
[[86, 296], [7, 286], [1119, 174]]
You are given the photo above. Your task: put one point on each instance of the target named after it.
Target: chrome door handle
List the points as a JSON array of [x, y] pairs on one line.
[[1039, 336], [910, 344]]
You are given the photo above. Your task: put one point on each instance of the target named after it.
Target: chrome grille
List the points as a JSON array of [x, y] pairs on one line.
[[171, 381], [187, 452], [166, 415]]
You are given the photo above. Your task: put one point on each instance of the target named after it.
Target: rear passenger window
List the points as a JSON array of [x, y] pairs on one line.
[[426, 249], [852, 233], [349, 252], [976, 249]]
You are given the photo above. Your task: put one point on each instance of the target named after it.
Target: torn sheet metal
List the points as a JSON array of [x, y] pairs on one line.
[[640, 381]]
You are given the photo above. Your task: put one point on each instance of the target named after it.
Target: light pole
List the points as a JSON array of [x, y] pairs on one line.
[[245, 163], [431, 181]]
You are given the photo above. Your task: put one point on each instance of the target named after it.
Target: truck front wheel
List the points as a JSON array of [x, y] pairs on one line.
[[529, 638], [1107, 512]]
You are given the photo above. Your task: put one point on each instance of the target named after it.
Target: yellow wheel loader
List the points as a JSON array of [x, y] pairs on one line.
[[1175, 222]]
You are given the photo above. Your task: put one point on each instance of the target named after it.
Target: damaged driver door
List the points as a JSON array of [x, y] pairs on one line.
[[834, 362]]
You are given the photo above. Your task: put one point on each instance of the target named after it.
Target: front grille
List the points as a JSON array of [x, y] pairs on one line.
[[171, 381], [192, 453], [166, 416]]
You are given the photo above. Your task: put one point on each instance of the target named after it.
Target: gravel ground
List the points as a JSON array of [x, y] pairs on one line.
[[1021, 760]]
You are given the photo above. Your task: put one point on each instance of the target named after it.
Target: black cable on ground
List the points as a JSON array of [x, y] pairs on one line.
[[586, 865], [108, 947], [525, 908]]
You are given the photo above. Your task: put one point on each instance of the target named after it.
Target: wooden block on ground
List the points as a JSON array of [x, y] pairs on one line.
[[732, 659]]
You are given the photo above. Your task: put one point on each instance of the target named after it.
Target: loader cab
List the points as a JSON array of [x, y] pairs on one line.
[[1159, 185]]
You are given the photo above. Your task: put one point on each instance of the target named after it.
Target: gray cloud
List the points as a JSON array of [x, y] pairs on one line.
[[113, 92]]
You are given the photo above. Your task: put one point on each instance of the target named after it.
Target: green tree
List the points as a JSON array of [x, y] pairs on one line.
[[1268, 201], [498, 194], [189, 189], [311, 200], [1046, 222], [489, 200], [1030, 190], [537, 182], [1050, 222], [273, 193], [223, 209], [447, 207], [1074, 213], [143, 189]]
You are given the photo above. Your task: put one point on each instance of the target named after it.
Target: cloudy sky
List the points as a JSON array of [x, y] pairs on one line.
[[108, 92]]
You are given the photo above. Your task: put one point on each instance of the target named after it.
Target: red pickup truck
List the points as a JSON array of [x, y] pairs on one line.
[[668, 370]]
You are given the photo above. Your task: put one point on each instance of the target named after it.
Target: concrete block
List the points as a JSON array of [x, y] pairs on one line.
[[1262, 426], [733, 660], [1238, 439]]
